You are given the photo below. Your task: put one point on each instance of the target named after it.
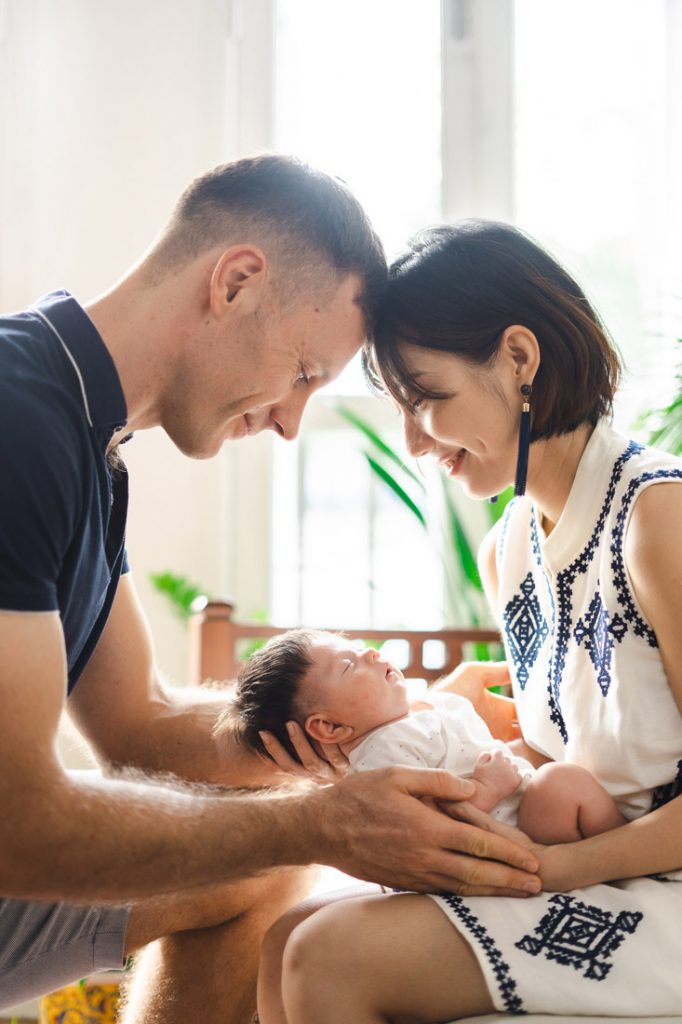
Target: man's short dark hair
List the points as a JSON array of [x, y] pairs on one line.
[[313, 220]]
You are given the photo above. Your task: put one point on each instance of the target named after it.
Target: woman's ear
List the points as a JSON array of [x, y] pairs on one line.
[[238, 275], [519, 346], [325, 731]]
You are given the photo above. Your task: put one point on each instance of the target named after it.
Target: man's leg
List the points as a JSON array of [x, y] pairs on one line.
[[200, 949]]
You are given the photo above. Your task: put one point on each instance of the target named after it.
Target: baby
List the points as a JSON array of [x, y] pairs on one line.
[[354, 698]]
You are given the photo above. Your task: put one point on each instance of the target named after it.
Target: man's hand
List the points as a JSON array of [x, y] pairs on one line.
[[377, 826], [320, 764], [472, 679]]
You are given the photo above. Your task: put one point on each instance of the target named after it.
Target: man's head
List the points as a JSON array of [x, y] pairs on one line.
[[274, 277], [336, 689]]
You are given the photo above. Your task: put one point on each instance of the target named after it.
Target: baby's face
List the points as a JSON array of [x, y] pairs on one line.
[[353, 685]]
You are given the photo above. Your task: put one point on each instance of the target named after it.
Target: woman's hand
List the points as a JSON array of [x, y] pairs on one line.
[[320, 764], [472, 680]]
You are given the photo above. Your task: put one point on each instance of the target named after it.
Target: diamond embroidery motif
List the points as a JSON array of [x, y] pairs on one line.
[[596, 632], [526, 629], [575, 934]]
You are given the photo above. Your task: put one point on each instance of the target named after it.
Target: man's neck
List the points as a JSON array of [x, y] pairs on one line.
[[142, 325]]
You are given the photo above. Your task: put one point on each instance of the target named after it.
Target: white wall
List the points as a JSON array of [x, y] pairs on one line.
[[106, 112]]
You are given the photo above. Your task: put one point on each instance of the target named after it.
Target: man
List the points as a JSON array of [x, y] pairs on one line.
[[260, 289]]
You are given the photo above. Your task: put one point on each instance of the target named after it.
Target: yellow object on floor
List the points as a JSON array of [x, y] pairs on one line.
[[81, 1004]]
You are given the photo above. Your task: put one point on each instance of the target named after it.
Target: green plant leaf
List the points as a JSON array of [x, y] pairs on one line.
[[465, 554], [378, 442], [391, 482], [179, 591], [496, 509]]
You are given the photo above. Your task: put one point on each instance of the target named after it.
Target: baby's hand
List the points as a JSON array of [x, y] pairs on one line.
[[498, 777]]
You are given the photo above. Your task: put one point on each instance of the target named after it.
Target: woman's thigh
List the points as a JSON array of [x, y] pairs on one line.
[[391, 957]]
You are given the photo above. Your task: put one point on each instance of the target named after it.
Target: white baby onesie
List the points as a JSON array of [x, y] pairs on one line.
[[447, 735]]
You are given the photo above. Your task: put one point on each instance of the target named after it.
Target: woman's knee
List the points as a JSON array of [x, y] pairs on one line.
[[313, 945]]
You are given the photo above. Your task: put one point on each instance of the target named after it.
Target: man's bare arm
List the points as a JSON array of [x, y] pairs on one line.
[[129, 716], [86, 839]]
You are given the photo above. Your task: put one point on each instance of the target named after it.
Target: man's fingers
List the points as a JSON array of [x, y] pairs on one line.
[[283, 759], [312, 763], [490, 839], [439, 784]]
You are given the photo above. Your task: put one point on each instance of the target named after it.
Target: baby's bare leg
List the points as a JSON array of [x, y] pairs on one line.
[[564, 803]]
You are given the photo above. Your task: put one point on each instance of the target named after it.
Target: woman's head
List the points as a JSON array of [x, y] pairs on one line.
[[488, 295]]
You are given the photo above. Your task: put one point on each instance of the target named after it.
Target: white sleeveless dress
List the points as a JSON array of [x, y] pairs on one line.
[[590, 688]]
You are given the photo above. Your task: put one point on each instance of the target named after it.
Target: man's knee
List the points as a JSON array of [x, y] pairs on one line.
[[263, 897]]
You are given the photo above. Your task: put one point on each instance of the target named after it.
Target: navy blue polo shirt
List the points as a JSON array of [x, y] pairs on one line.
[[62, 509]]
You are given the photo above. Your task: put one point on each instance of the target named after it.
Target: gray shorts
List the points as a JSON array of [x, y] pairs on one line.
[[46, 945]]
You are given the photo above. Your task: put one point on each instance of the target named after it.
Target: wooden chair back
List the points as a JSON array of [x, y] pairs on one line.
[[217, 642]]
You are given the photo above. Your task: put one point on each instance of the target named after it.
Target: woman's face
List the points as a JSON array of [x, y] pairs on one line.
[[473, 431]]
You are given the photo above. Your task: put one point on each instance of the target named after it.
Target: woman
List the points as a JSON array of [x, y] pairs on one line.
[[504, 374]]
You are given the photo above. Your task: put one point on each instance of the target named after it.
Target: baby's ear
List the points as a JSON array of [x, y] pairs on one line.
[[325, 731]]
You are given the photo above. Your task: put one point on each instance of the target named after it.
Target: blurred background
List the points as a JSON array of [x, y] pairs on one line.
[[562, 116]]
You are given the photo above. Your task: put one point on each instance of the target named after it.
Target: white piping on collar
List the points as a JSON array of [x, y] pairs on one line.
[[71, 359]]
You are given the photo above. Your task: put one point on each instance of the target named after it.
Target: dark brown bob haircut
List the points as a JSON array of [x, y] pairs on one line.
[[460, 286], [267, 690], [311, 219]]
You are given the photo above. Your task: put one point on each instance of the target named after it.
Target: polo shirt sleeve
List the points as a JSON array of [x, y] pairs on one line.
[[40, 493]]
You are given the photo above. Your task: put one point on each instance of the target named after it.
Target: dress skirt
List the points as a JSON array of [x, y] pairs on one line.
[[612, 950]]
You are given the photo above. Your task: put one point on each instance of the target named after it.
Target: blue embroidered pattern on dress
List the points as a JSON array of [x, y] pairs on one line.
[[664, 794], [564, 587], [630, 613], [525, 628], [596, 631], [575, 934], [506, 984]]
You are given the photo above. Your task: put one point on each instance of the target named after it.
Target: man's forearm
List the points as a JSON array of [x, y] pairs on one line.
[[115, 841], [179, 737]]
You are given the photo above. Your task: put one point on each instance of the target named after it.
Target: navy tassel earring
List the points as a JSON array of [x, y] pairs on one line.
[[524, 442]]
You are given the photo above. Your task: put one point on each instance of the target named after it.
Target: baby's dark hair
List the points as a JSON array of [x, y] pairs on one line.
[[268, 687]]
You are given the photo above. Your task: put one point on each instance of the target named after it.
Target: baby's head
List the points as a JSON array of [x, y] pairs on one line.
[[336, 690]]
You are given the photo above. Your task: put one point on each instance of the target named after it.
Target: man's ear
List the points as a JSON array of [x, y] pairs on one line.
[[237, 278], [325, 731], [519, 346]]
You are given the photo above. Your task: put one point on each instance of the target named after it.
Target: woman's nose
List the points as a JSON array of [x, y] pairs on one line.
[[417, 441]]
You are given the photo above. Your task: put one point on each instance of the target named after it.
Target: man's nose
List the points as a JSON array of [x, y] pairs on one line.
[[417, 441], [285, 418]]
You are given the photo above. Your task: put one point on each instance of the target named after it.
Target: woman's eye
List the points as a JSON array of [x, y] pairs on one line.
[[416, 404]]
